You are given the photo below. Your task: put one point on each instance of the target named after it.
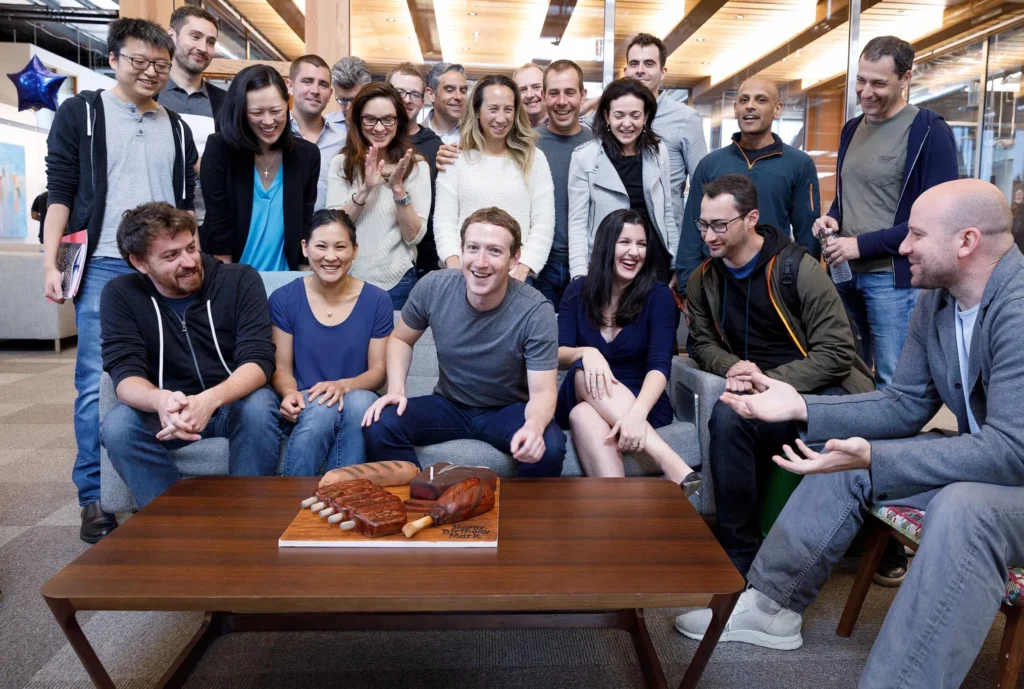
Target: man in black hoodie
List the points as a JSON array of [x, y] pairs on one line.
[[187, 342], [109, 151], [761, 303]]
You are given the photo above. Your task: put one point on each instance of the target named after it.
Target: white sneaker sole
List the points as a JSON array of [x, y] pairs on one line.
[[748, 636]]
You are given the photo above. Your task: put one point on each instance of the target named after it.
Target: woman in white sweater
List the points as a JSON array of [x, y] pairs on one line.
[[498, 165], [625, 166], [384, 188]]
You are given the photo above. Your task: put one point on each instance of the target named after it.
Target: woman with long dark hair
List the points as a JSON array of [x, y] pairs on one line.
[[625, 166], [617, 336], [500, 165], [385, 188], [258, 180]]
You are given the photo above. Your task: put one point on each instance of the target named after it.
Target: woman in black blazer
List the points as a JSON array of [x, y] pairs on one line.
[[259, 181]]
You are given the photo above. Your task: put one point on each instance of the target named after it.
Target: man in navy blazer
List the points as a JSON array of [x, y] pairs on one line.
[[963, 350]]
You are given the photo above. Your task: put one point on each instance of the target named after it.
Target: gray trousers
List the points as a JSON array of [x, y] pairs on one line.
[[973, 533]]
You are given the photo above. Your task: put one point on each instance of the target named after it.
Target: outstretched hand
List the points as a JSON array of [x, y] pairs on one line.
[[774, 401], [839, 455]]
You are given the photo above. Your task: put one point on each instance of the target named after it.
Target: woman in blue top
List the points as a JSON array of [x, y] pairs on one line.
[[258, 179], [617, 335], [330, 330]]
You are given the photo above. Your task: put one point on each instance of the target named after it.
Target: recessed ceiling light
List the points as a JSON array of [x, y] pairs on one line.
[[739, 16], [471, 14], [701, 39], [466, 49], [705, 63], [391, 19], [785, 59]]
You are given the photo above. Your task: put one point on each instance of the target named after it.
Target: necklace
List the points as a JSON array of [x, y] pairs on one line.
[[330, 312], [266, 170]]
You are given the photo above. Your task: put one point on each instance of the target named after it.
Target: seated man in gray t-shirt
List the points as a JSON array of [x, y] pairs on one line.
[[497, 350]]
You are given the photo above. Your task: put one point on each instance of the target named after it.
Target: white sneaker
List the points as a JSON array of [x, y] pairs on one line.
[[748, 624]]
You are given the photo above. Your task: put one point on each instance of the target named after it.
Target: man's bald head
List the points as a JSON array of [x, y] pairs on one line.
[[965, 203], [957, 231], [755, 85]]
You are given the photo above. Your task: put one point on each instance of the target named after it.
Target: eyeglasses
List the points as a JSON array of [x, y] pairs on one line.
[[344, 102], [414, 96], [371, 121], [142, 64], [718, 226]]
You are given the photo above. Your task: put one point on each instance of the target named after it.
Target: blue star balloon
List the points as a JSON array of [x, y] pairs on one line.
[[37, 86]]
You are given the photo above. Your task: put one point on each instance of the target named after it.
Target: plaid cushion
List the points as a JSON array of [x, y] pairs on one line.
[[1015, 587], [906, 520], [909, 521]]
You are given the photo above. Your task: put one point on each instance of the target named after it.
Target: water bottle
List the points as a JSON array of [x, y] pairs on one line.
[[840, 271]]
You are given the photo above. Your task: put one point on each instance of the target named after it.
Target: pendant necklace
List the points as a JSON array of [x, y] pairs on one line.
[[266, 170]]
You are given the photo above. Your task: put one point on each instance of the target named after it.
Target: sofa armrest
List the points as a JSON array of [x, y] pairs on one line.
[[694, 395]]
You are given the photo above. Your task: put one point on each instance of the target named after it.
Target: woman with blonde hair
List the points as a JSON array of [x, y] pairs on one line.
[[498, 165], [384, 187]]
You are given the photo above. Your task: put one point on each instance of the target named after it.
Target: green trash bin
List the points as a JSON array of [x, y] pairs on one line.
[[774, 494]]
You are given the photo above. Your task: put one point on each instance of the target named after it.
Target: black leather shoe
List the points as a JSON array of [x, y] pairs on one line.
[[96, 523], [892, 568]]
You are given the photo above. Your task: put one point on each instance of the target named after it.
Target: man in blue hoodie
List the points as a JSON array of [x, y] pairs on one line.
[[888, 157], [109, 151], [785, 177]]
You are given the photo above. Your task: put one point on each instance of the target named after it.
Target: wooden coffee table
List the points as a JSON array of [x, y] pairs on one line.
[[572, 553]]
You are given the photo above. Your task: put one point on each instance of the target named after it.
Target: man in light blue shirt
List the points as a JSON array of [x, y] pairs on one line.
[[309, 84]]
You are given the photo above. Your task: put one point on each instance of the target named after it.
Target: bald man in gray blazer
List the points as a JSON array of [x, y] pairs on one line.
[[964, 349]]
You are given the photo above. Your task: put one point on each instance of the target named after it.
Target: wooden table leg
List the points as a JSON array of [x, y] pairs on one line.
[[721, 608], [65, 614], [214, 625], [634, 623]]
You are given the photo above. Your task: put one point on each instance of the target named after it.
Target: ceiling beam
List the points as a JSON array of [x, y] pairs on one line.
[[291, 15], [424, 21], [557, 20], [699, 14], [957, 20], [823, 24], [226, 68]]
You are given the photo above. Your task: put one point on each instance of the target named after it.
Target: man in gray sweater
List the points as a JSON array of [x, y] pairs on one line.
[[963, 350]]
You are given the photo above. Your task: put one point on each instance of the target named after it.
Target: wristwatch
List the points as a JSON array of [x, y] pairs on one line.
[[404, 201]]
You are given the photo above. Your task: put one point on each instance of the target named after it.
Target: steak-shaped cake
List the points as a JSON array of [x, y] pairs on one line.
[[432, 482]]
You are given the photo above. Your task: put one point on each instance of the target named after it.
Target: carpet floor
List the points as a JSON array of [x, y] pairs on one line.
[[39, 535]]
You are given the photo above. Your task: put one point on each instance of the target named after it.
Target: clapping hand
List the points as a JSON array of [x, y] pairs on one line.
[[397, 177], [373, 170]]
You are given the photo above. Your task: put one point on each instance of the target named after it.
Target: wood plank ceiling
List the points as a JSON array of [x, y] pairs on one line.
[[790, 41]]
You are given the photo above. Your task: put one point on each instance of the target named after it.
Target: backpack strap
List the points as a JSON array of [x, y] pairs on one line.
[[790, 261]]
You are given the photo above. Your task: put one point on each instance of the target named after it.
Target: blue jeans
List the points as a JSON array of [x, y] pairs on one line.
[[88, 369], [882, 312], [434, 419], [324, 438], [552, 281], [251, 426], [400, 292], [944, 610]]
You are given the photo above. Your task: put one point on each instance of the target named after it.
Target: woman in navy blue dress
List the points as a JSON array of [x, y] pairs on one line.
[[617, 335]]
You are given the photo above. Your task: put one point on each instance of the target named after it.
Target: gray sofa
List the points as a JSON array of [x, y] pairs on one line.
[[25, 314], [689, 392]]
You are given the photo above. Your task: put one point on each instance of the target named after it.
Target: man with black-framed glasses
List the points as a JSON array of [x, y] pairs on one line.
[[348, 75], [109, 151], [761, 303], [412, 87]]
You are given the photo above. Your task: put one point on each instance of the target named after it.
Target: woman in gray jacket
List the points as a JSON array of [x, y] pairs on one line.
[[625, 166]]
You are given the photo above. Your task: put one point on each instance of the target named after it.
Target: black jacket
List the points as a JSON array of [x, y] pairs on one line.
[[137, 324], [427, 143], [76, 163], [227, 179]]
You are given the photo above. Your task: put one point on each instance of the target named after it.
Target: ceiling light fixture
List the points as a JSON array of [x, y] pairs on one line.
[[701, 39], [471, 14], [739, 16], [391, 19]]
